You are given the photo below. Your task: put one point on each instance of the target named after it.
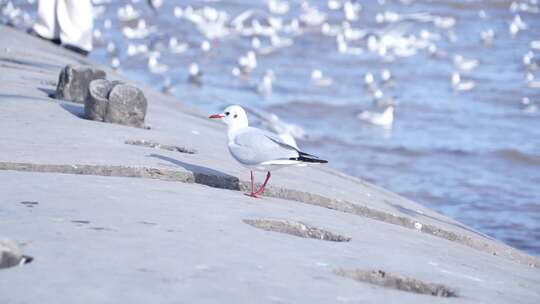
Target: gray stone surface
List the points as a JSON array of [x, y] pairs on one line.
[[133, 240], [124, 223], [127, 106], [97, 101], [74, 80]]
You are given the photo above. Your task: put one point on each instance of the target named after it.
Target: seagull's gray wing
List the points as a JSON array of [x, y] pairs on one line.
[[253, 146]]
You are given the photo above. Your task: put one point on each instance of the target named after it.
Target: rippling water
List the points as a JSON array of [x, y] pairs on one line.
[[473, 155]]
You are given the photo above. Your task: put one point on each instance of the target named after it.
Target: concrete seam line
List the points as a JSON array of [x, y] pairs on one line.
[[233, 183], [102, 170]]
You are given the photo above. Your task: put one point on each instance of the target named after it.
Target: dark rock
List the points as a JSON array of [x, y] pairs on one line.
[[127, 106], [73, 82], [113, 101], [97, 101]]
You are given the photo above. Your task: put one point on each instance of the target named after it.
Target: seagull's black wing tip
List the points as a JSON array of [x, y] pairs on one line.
[[308, 158]]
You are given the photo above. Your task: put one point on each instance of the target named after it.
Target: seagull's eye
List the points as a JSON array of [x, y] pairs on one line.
[[227, 113], [235, 115]]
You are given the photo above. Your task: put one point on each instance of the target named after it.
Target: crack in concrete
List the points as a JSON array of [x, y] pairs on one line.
[[30, 204], [389, 280], [152, 144], [296, 229], [233, 183]]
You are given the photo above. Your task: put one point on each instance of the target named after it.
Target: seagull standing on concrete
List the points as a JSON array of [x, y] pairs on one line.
[[257, 149]]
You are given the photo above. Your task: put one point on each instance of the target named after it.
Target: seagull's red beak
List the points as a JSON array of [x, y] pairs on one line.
[[216, 116]]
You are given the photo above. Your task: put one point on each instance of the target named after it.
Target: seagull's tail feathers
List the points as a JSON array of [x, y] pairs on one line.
[[308, 158]]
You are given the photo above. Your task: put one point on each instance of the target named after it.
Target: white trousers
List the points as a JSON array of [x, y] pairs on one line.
[[71, 21]]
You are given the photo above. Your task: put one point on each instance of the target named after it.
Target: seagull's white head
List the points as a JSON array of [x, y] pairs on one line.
[[234, 116]]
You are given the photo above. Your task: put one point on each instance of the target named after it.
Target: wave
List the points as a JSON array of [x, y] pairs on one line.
[[401, 150], [313, 107]]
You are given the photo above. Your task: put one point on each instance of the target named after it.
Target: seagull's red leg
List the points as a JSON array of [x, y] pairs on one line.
[[261, 190], [253, 193]]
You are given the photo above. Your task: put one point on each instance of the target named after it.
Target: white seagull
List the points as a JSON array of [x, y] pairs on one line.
[[384, 119], [127, 13], [264, 88], [459, 85], [465, 64], [319, 79], [195, 74], [257, 149], [155, 4], [155, 66]]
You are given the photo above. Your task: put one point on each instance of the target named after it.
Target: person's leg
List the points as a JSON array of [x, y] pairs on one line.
[[75, 19], [46, 25]]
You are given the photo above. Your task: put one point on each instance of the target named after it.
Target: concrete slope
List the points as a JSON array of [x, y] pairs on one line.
[[148, 224]]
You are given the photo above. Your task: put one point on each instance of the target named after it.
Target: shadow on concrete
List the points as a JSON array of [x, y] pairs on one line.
[[204, 175], [30, 63], [18, 96], [73, 108], [50, 92]]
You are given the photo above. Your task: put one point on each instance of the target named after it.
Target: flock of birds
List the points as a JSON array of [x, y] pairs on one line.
[[278, 24]]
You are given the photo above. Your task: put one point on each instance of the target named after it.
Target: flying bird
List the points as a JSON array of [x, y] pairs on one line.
[[259, 150]]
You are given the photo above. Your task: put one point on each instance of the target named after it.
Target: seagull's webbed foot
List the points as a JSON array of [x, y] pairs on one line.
[[253, 194], [263, 187]]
